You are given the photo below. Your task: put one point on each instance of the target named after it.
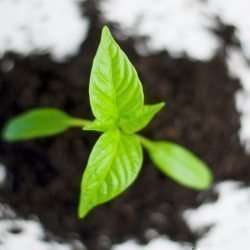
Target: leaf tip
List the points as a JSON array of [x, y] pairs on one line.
[[161, 105], [209, 181], [82, 211], [106, 37], [106, 32], [7, 133], [105, 28], [205, 182], [80, 214]]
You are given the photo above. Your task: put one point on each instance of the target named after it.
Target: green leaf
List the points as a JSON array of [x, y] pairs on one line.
[[39, 123], [179, 163], [100, 126], [113, 165], [115, 89], [142, 119]]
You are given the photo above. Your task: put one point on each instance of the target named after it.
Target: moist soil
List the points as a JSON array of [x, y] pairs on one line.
[[44, 175]]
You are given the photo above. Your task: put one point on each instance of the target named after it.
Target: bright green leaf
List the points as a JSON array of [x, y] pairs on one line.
[[100, 126], [179, 163], [113, 165], [115, 89], [39, 123], [142, 119]]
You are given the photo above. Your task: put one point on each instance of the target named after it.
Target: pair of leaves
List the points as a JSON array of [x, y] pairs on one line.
[[115, 91], [116, 159], [116, 99], [117, 102]]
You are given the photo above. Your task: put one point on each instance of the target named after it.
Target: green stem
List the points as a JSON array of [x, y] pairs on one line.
[[77, 122], [145, 141]]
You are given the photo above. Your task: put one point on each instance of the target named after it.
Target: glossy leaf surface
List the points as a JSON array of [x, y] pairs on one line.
[[115, 89], [113, 165], [179, 163], [142, 119], [39, 122]]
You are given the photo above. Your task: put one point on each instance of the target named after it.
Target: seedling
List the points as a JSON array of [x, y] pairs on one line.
[[117, 102]]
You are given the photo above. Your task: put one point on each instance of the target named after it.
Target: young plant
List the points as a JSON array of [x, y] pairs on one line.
[[117, 102]]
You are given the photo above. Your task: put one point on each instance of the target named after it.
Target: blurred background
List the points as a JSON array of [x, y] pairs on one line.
[[192, 54]]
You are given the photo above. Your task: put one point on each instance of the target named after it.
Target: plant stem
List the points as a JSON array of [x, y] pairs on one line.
[[78, 122], [145, 141]]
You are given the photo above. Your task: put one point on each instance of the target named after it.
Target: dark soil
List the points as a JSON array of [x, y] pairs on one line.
[[44, 175]]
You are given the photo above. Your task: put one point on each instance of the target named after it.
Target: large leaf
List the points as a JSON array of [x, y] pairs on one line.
[[39, 123], [113, 165], [115, 89], [142, 119], [179, 164]]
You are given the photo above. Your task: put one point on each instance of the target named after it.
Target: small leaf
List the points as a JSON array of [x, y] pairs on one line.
[[115, 89], [179, 163], [100, 126], [142, 119], [113, 165], [39, 123]]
